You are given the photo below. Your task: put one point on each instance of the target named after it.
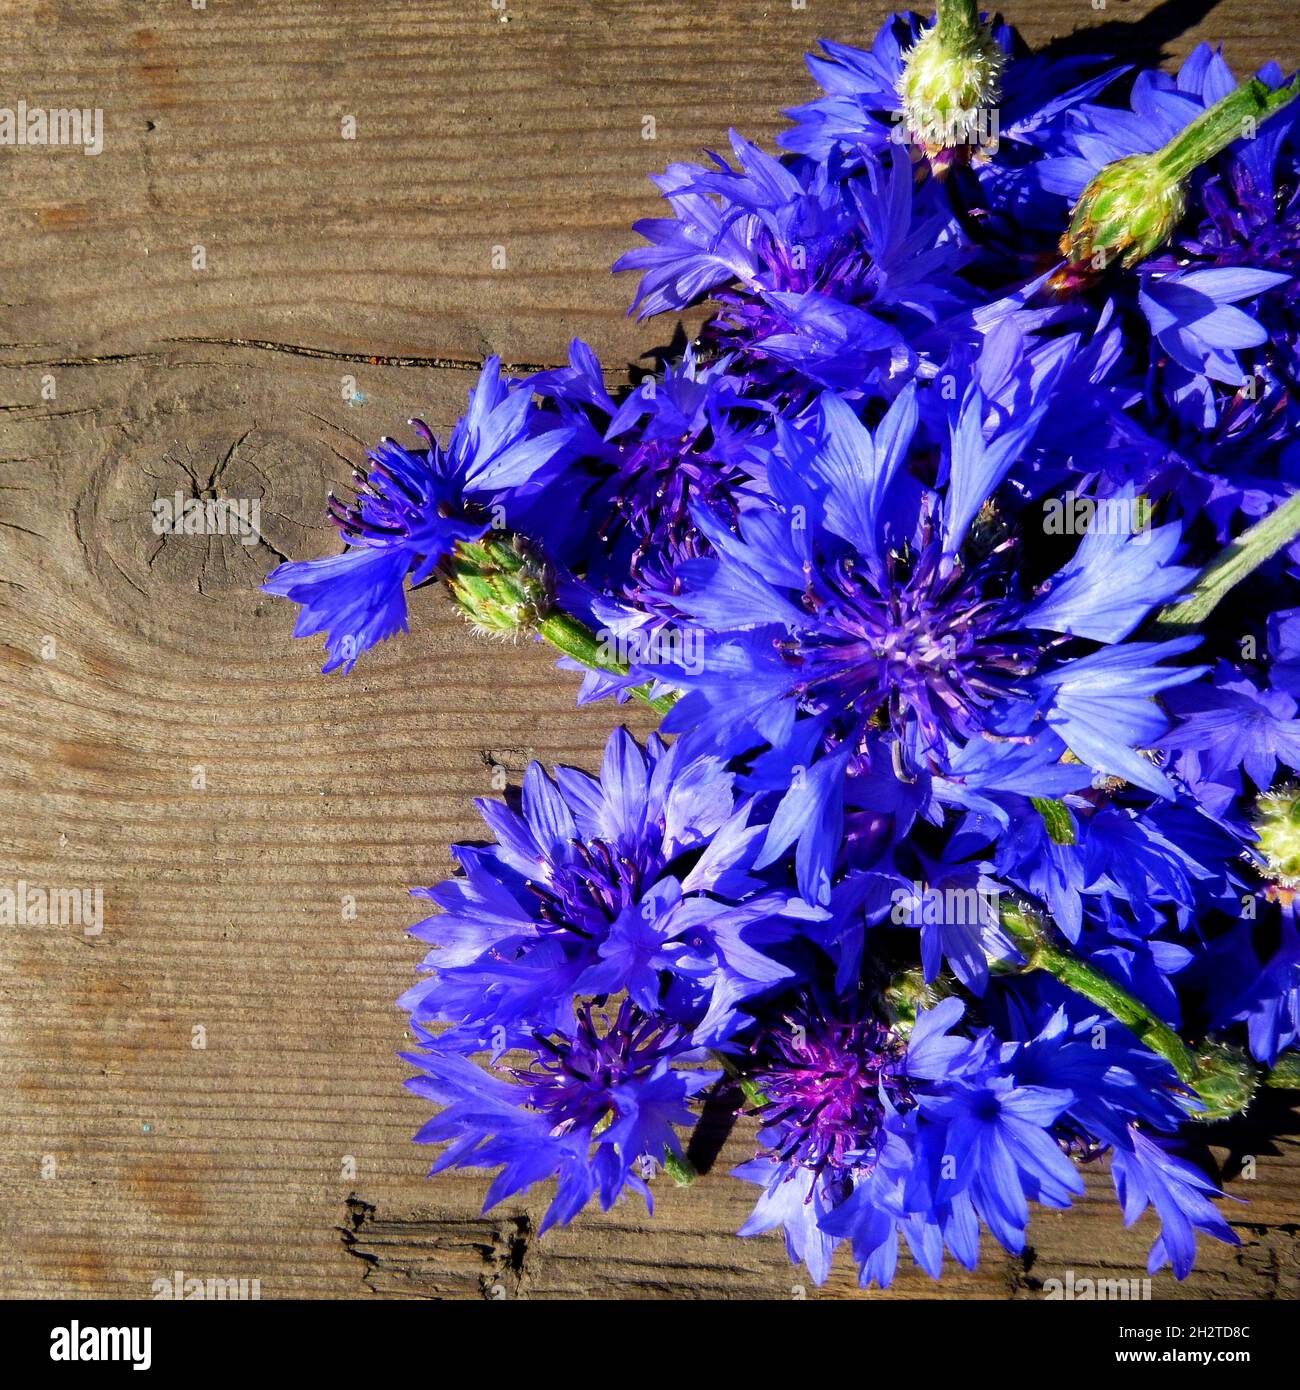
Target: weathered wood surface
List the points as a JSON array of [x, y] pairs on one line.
[[280, 1151]]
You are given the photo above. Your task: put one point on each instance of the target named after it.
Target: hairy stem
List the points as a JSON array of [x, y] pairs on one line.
[[1028, 931], [566, 634], [504, 588], [1232, 564], [679, 1168], [959, 22], [1227, 120]]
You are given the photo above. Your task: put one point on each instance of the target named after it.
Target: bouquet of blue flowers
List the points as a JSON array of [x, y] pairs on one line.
[[958, 555]]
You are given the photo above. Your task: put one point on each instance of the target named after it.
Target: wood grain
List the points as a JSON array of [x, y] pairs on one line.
[[280, 1150]]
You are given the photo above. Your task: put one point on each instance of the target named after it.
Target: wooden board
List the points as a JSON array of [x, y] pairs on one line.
[[279, 1149]]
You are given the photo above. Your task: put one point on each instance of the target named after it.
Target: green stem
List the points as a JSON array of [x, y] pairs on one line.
[[959, 23], [1233, 563], [1056, 819], [1027, 930], [502, 587], [1220, 1075], [566, 634], [749, 1088], [1223, 123]]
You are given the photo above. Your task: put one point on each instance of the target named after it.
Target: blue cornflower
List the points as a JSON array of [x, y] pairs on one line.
[[955, 907], [862, 113], [862, 110], [823, 529], [1253, 968], [410, 511], [1224, 303], [864, 607], [992, 1139], [838, 1132], [831, 280], [682, 437], [639, 881], [1247, 213], [1148, 857], [1147, 1175], [594, 1106], [871, 1132], [1120, 1095], [1230, 724]]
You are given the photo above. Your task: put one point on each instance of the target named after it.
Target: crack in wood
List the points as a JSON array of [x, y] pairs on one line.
[[427, 1256], [463, 364]]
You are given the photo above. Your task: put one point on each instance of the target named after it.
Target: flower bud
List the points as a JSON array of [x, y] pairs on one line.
[[1126, 213], [949, 84], [1277, 823], [1225, 1080], [904, 997], [500, 584]]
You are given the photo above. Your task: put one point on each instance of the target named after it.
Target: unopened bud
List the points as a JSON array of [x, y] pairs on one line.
[[949, 84], [1225, 1080], [1125, 215], [501, 585], [1277, 823]]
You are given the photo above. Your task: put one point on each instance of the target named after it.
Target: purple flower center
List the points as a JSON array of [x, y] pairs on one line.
[[656, 483], [571, 1078], [585, 895], [406, 499], [654, 584], [919, 646], [824, 1083]]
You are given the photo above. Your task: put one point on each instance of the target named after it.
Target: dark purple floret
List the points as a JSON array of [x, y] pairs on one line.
[[924, 646], [655, 483], [571, 1079], [825, 1084], [586, 895], [403, 499]]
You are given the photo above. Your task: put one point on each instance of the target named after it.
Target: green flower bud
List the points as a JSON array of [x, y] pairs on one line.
[[950, 83], [1126, 213], [1277, 823], [1286, 1073], [1226, 1081], [501, 586], [908, 994]]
